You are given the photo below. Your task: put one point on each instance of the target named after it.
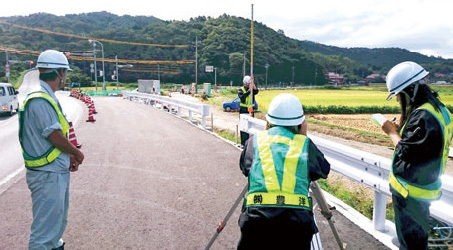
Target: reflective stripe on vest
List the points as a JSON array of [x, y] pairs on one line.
[[433, 190], [53, 152], [266, 189], [247, 100], [280, 200]]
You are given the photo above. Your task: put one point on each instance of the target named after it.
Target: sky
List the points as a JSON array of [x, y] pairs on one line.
[[423, 26]]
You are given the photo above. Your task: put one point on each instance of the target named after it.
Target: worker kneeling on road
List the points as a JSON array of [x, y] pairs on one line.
[[47, 152], [280, 163]]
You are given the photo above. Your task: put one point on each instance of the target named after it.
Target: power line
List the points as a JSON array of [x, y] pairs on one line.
[[98, 39], [152, 71], [111, 60]]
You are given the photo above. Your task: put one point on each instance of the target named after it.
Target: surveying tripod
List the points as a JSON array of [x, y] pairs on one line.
[[321, 201]]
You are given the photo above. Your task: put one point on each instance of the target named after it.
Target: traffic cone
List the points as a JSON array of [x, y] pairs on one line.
[[93, 108], [72, 136], [90, 116]]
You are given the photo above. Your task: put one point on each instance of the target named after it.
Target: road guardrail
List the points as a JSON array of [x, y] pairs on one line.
[[368, 169], [171, 103]]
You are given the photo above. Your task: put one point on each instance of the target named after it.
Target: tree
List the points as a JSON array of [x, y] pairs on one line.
[[236, 65]]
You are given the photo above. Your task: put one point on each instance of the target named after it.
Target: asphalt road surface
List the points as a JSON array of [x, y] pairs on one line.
[[150, 181]]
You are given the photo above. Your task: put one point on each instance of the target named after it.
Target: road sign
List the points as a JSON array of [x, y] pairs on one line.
[[209, 68]]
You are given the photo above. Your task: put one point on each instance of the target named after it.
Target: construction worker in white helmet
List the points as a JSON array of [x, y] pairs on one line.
[[244, 95], [280, 162], [422, 142], [48, 154]]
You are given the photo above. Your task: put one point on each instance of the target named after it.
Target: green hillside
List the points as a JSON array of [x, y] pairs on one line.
[[224, 44]]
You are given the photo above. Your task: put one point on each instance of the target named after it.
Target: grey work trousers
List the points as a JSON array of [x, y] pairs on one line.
[[50, 203]]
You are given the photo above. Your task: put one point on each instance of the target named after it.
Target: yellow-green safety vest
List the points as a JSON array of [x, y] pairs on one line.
[[53, 152], [285, 185], [433, 190], [247, 100]]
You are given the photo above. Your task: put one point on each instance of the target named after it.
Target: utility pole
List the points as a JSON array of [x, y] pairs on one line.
[[243, 67], [103, 60], [266, 66], [95, 68], [316, 75], [292, 83], [116, 64], [158, 72], [252, 99], [7, 66], [196, 63], [215, 76]]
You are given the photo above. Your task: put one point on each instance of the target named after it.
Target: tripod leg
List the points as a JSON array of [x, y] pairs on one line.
[[325, 211], [223, 222]]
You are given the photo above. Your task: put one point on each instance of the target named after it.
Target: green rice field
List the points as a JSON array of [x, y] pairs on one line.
[[358, 100]]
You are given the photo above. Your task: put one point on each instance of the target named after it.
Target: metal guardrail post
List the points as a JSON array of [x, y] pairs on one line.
[[379, 211], [204, 115]]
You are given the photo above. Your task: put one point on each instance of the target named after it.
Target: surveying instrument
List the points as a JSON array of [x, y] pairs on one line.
[[326, 211]]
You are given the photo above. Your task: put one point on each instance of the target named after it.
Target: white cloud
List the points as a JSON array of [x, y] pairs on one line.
[[418, 25]]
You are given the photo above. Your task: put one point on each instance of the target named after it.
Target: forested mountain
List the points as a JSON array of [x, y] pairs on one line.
[[377, 58], [224, 44]]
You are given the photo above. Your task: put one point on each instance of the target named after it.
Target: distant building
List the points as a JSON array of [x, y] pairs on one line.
[[336, 79], [375, 78], [440, 75]]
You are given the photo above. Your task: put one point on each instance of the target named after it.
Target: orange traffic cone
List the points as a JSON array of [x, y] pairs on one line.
[[72, 136], [90, 116]]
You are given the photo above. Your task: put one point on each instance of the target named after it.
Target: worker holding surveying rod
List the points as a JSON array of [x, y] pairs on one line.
[[280, 163], [422, 142], [244, 95]]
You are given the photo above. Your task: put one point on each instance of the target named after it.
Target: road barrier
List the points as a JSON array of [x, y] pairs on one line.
[[368, 169], [111, 92], [171, 104]]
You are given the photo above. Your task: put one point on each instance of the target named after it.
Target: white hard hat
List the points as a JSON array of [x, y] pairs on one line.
[[285, 110], [403, 75], [52, 59], [247, 80]]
